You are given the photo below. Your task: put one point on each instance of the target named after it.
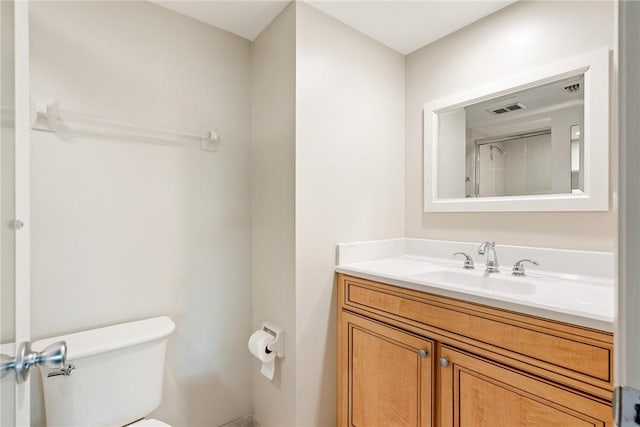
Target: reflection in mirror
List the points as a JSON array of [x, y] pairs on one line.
[[513, 165], [577, 159], [524, 143], [531, 142]]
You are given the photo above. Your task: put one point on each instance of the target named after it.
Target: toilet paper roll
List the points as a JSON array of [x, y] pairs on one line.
[[258, 343]]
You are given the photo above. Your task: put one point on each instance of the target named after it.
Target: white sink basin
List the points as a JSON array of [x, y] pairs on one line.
[[478, 280], [567, 297]]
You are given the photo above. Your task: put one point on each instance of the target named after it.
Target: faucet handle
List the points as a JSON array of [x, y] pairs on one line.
[[518, 267], [468, 261]]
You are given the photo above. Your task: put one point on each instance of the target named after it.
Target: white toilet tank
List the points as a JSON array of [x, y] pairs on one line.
[[117, 378]]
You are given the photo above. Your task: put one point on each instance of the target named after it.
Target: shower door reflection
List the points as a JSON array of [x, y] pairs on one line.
[[514, 165]]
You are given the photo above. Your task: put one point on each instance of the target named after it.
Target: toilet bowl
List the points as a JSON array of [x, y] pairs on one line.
[[118, 376]]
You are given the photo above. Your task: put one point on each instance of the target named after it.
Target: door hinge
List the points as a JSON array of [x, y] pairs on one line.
[[626, 406]]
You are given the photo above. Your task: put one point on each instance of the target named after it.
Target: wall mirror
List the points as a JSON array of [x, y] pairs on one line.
[[537, 141]]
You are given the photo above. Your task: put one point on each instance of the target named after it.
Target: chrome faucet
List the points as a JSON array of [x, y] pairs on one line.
[[489, 248]]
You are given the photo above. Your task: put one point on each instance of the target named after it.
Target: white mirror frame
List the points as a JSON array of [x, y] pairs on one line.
[[595, 66]]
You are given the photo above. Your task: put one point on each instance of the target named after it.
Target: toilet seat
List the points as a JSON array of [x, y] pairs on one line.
[[148, 422]]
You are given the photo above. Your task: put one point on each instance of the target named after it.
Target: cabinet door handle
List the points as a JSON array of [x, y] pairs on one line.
[[444, 362], [422, 353]]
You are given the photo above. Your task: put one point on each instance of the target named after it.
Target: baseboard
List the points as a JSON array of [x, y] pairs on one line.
[[246, 421]]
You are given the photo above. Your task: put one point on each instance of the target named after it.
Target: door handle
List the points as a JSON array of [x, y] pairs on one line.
[[53, 356]]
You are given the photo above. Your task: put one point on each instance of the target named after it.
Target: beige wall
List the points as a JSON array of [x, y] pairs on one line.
[[349, 181], [523, 35], [273, 210], [124, 230]]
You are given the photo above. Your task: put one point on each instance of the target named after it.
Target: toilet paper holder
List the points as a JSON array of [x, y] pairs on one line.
[[277, 346]]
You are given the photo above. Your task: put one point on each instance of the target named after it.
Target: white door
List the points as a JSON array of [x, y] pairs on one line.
[[628, 322], [14, 205]]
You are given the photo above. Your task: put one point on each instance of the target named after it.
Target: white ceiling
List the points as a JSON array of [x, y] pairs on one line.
[[408, 25], [245, 18], [400, 24], [538, 100]]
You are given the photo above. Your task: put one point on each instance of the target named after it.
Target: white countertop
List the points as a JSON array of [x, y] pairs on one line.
[[586, 300]]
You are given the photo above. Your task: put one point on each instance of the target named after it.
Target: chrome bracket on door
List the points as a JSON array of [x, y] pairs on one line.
[[54, 356], [626, 406]]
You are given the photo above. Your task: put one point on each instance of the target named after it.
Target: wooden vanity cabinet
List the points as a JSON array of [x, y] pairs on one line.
[[408, 358], [388, 377], [477, 392]]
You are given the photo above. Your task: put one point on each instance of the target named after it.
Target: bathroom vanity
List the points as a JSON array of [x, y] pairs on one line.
[[413, 353]]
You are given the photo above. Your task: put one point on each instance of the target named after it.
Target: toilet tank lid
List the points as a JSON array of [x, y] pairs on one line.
[[148, 422], [94, 341]]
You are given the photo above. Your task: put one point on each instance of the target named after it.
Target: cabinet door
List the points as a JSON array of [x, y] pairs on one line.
[[475, 392], [385, 375]]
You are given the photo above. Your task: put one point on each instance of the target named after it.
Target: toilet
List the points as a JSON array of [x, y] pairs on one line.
[[117, 379]]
